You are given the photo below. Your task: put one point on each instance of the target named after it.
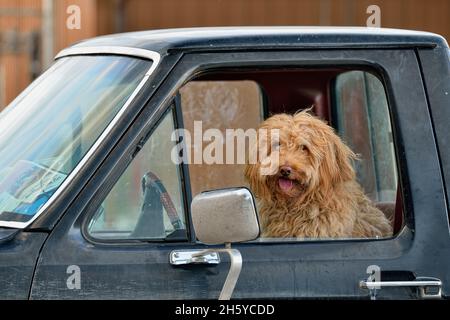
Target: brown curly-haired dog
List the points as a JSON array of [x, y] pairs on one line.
[[314, 193]]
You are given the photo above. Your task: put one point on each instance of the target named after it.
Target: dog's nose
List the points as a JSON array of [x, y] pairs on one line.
[[285, 171]]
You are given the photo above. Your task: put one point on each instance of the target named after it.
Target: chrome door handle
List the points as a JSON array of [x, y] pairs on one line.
[[211, 256], [185, 257], [423, 283]]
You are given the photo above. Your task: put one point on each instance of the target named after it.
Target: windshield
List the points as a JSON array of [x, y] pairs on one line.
[[49, 128]]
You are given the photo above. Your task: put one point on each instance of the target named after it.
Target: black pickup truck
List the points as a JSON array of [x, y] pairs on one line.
[[95, 204]]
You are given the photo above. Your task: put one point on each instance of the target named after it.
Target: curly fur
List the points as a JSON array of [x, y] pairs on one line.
[[325, 200]]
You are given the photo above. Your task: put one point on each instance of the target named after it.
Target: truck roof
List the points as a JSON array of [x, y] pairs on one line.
[[231, 38]]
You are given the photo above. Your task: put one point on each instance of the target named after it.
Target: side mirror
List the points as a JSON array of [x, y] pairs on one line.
[[223, 216]]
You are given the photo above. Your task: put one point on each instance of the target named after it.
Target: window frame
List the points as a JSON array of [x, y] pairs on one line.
[[377, 72], [172, 108], [194, 63]]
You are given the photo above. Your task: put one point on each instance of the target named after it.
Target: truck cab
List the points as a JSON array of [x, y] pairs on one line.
[[94, 205]]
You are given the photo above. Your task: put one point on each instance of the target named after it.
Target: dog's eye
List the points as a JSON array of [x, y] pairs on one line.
[[302, 147]]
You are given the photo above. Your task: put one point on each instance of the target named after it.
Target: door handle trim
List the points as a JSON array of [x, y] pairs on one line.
[[211, 256], [423, 283], [187, 257]]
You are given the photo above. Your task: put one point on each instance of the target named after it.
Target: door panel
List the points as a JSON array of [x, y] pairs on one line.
[[320, 269]]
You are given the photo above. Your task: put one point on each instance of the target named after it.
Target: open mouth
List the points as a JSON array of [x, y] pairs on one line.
[[285, 184], [290, 186]]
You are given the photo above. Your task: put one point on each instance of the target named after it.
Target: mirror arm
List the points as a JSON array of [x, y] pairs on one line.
[[233, 273]]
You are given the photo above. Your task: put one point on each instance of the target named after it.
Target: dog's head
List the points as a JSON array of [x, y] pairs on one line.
[[311, 157]]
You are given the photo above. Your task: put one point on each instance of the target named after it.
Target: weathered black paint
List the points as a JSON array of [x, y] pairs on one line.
[[436, 73], [18, 258]]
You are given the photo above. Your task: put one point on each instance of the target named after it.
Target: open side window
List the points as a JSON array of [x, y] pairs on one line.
[[352, 100]]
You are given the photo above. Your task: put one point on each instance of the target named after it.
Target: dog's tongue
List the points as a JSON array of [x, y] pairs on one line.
[[285, 184]]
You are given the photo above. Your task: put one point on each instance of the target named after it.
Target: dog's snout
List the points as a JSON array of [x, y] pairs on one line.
[[285, 171]]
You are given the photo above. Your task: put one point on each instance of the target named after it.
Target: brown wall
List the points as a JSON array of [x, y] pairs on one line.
[[110, 16], [428, 15], [19, 17], [64, 36], [16, 23], [97, 18]]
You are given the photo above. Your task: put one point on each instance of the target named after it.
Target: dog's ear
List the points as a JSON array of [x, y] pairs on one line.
[[256, 181], [251, 175], [337, 163], [256, 169]]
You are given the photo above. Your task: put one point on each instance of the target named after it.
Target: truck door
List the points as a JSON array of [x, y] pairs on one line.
[[115, 241]]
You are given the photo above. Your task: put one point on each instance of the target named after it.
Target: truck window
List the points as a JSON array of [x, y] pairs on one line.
[[362, 120], [146, 203], [352, 101]]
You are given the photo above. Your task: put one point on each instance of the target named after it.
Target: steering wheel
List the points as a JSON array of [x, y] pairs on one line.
[[151, 221]]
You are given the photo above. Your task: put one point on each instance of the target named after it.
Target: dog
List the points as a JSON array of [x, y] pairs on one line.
[[314, 192]]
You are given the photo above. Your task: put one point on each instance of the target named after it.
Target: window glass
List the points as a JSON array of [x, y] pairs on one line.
[[363, 122], [146, 202]]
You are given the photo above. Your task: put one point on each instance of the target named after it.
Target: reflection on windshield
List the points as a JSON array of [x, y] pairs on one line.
[[47, 130]]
